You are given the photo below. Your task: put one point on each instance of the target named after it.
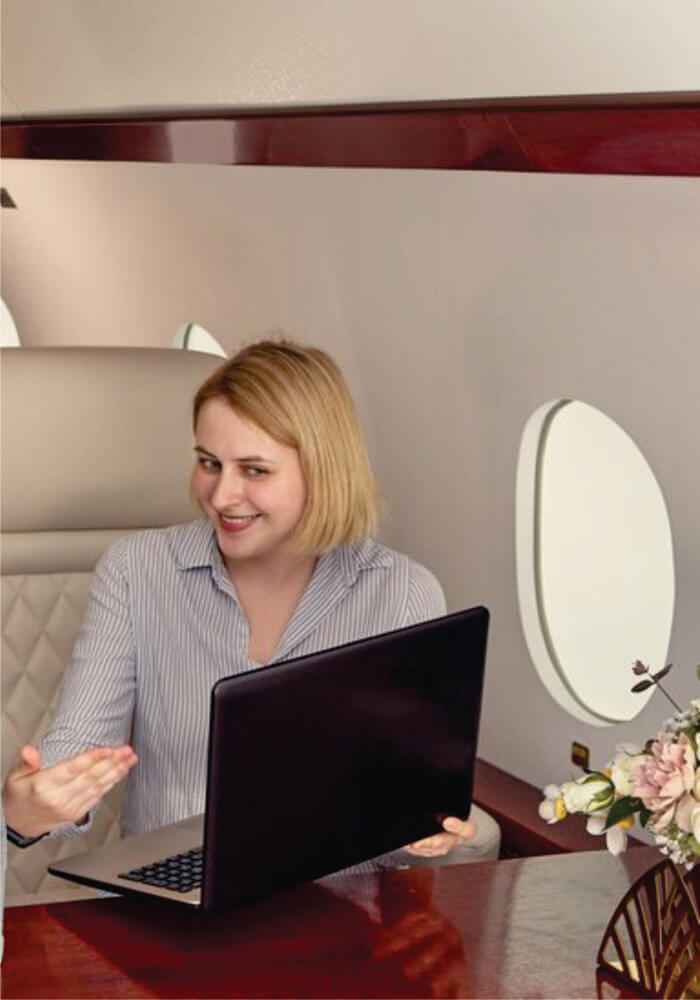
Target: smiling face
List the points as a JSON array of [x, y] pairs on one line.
[[250, 486]]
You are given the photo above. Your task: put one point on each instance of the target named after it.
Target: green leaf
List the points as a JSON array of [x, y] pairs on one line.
[[642, 685], [662, 673], [595, 776], [621, 809], [644, 816]]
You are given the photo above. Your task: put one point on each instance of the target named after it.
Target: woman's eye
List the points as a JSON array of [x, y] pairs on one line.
[[255, 471], [208, 464]]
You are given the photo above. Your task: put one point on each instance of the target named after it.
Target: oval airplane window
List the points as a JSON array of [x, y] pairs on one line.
[[193, 337], [594, 560], [9, 337]]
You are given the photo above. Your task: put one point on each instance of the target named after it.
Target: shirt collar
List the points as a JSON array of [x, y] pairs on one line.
[[195, 545], [360, 556]]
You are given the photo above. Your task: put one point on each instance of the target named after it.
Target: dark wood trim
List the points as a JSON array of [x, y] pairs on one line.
[[630, 134], [513, 804]]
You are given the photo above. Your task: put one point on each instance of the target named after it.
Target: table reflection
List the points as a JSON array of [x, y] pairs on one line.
[[376, 935]]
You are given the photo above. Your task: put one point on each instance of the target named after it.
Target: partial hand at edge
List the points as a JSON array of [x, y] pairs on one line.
[[36, 800], [457, 831]]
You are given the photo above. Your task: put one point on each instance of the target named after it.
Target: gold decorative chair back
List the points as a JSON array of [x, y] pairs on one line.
[[651, 947]]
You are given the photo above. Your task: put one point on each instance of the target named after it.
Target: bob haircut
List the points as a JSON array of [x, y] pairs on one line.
[[299, 397]]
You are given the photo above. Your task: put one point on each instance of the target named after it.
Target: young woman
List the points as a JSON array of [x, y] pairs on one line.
[[282, 564]]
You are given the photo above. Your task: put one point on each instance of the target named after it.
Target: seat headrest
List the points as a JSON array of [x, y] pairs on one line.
[[97, 437]]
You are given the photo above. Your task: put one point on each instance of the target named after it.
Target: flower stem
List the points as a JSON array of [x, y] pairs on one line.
[[665, 692]]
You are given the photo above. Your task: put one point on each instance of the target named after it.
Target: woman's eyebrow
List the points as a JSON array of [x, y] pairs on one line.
[[243, 458]]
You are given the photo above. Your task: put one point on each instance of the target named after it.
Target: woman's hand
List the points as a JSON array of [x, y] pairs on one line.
[[36, 800], [457, 831]]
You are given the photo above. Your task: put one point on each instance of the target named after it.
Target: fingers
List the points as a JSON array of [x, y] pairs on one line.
[[36, 801], [27, 762], [84, 762], [465, 829], [29, 757], [85, 798], [457, 831], [86, 778], [433, 847]]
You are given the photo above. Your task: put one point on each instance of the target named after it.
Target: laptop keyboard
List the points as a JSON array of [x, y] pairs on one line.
[[179, 873]]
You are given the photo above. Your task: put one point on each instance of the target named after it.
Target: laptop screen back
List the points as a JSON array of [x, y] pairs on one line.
[[319, 763]]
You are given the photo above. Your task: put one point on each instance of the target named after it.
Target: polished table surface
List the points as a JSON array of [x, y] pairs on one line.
[[529, 927]]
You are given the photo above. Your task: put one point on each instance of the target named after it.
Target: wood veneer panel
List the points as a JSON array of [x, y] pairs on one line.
[[623, 141], [589, 136]]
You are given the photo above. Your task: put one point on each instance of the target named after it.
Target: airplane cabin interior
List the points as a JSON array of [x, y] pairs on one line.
[[488, 214]]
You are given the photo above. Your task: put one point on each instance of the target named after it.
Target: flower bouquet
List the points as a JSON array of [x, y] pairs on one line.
[[658, 785]]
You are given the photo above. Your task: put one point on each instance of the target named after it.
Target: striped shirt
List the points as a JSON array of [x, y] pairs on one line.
[[164, 623]]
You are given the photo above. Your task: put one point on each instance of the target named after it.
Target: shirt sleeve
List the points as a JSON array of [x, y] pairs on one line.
[[425, 599], [99, 685]]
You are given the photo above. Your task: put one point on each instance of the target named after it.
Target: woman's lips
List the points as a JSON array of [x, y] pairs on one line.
[[234, 525]]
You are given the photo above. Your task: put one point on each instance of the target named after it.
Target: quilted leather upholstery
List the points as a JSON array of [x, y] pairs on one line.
[[55, 530], [41, 616]]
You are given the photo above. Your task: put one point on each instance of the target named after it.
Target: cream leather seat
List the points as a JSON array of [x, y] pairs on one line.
[[95, 442]]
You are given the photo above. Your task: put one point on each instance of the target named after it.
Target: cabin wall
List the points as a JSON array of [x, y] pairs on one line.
[[79, 55], [457, 304]]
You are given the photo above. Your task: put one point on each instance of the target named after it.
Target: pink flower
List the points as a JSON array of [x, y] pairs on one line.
[[664, 777]]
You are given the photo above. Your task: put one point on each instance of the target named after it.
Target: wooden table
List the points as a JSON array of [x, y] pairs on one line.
[[523, 928]]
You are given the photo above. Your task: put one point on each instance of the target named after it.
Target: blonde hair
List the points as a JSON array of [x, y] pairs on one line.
[[298, 396]]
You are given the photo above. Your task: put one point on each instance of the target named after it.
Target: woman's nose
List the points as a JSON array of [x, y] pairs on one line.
[[229, 489]]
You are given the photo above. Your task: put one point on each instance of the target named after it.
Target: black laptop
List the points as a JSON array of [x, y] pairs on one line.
[[316, 764]]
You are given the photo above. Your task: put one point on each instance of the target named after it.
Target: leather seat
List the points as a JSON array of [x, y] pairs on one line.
[[96, 442]]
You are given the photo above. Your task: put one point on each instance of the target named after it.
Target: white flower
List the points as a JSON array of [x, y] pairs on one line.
[[551, 808], [683, 812], [627, 759], [615, 837], [616, 840], [670, 846], [596, 824], [589, 794], [687, 815]]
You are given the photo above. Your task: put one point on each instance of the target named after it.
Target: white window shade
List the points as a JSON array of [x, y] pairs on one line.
[[595, 560], [9, 337], [193, 337]]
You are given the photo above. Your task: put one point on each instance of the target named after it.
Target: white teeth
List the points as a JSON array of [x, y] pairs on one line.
[[238, 519]]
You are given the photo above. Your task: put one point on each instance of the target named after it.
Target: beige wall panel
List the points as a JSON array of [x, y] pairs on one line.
[[73, 55]]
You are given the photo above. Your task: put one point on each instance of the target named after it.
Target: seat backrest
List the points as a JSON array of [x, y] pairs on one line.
[[96, 442]]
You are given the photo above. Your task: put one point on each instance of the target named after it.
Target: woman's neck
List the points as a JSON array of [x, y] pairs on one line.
[[269, 594], [283, 570]]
